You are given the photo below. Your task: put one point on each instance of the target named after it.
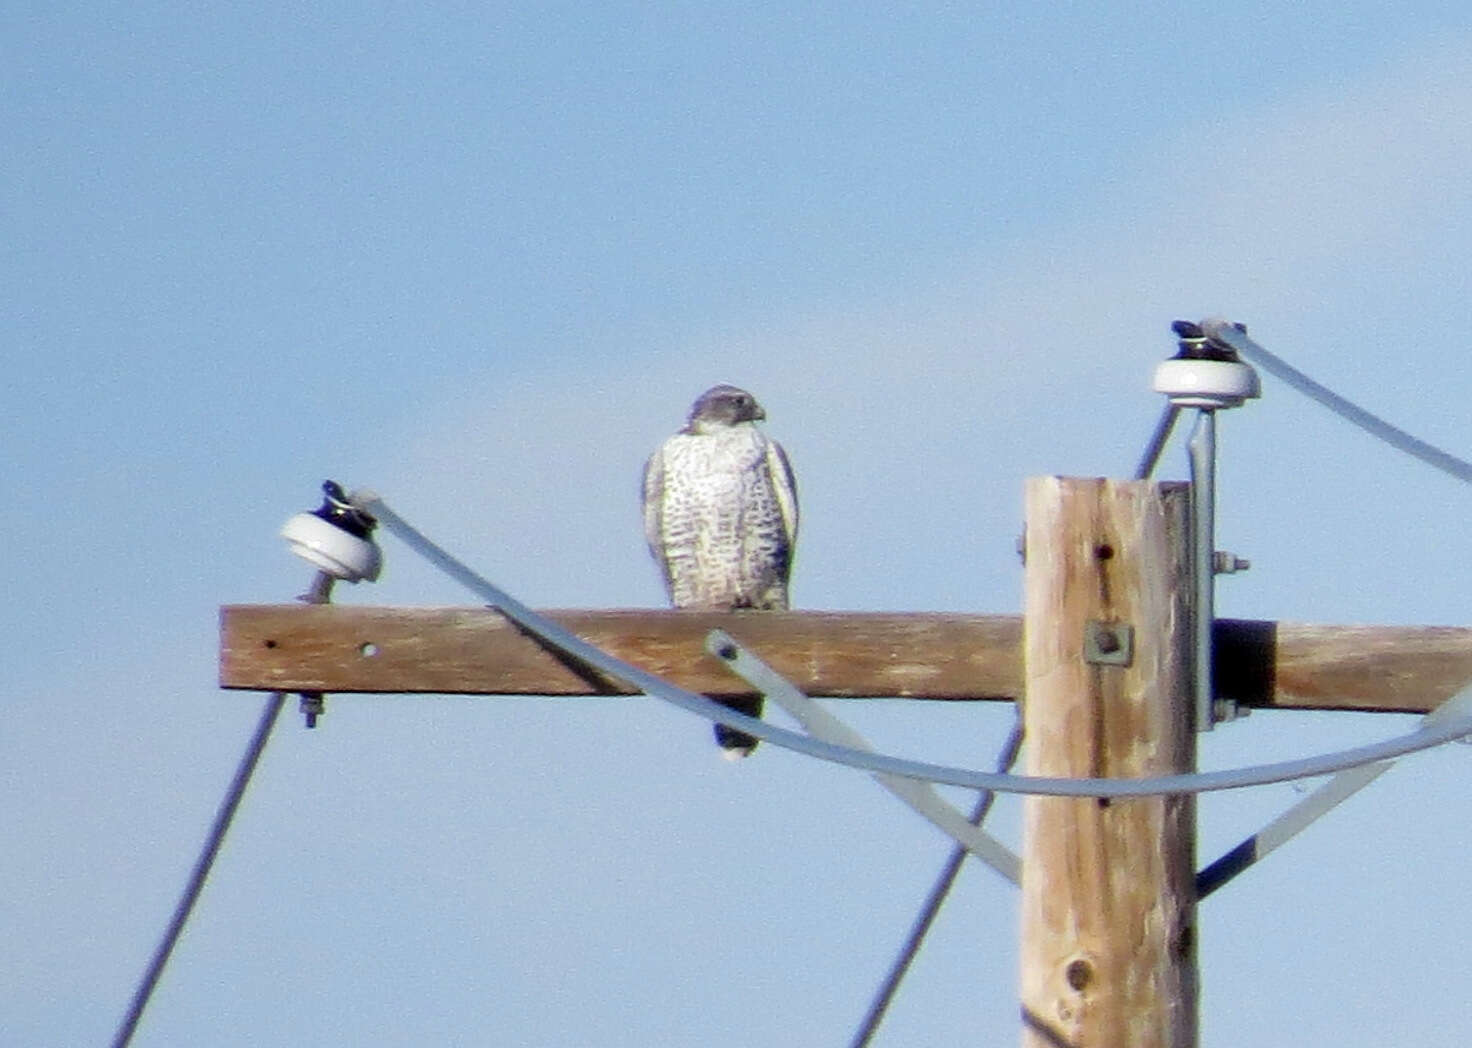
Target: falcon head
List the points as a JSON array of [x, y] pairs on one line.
[[723, 406]]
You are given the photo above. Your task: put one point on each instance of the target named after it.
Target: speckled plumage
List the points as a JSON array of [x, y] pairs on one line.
[[720, 513]]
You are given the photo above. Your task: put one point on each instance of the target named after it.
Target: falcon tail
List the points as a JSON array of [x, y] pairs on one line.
[[737, 744]]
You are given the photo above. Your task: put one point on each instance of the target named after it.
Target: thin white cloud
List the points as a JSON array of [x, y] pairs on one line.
[[911, 424]]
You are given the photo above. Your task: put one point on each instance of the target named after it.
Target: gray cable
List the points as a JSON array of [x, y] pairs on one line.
[[1151, 455], [869, 1025], [933, 902], [320, 592], [575, 647], [1228, 334], [201, 871]]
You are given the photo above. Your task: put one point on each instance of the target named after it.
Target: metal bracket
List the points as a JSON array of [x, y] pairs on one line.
[[1109, 643], [819, 723], [1338, 789], [1290, 824]]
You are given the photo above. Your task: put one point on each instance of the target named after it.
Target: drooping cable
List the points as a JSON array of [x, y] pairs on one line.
[[1228, 334], [869, 1025], [197, 877], [575, 647]]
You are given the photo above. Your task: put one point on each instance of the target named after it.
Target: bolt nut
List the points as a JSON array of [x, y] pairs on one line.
[[1224, 563], [1224, 710]]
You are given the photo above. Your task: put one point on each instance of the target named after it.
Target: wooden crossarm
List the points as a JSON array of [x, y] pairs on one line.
[[919, 655]]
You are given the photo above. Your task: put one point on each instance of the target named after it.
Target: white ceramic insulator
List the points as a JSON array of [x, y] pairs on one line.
[[1206, 383], [327, 546]]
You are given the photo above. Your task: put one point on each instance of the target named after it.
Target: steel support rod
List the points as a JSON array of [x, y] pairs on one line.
[[1290, 824], [1203, 554], [922, 797], [1151, 455], [319, 593]]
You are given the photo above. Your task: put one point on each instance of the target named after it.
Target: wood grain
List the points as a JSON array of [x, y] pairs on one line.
[[1108, 888], [476, 651], [921, 655]]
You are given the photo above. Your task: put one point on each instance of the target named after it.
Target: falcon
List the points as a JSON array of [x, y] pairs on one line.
[[720, 516]]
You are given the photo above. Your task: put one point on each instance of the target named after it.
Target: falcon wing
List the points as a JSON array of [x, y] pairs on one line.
[[785, 486], [652, 495]]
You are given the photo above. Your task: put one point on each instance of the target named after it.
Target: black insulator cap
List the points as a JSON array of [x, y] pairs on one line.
[[1194, 345], [340, 513]]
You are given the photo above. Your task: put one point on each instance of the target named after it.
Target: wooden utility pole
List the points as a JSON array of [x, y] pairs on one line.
[[1102, 657], [1108, 888]]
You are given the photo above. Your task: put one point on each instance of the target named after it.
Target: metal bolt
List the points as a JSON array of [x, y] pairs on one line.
[[1223, 563], [1108, 643], [312, 707], [1224, 710]]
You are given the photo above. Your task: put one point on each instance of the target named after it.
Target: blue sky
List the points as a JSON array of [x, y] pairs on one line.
[[481, 259]]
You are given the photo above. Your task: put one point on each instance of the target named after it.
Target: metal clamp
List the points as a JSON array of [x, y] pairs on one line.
[[1109, 643]]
